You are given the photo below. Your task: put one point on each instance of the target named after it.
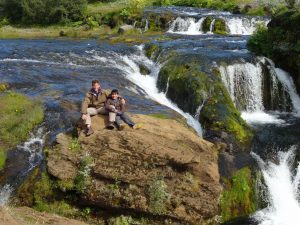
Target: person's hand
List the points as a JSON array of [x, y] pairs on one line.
[[123, 101], [84, 116]]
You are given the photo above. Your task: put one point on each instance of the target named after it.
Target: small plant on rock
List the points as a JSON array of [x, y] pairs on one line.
[[158, 196]]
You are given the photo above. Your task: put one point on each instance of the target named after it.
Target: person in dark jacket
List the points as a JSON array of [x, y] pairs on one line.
[[116, 108], [93, 104]]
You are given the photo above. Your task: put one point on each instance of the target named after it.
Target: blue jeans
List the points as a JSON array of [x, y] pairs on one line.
[[123, 116]]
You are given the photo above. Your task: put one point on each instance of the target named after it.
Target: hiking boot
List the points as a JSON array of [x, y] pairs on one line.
[[137, 126], [110, 126], [121, 127], [89, 131]]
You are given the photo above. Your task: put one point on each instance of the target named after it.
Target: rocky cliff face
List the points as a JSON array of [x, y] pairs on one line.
[[162, 170]]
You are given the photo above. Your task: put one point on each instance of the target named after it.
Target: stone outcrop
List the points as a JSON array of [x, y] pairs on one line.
[[163, 169]]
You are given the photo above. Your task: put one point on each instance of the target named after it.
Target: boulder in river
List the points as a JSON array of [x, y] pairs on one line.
[[162, 170], [125, 28]]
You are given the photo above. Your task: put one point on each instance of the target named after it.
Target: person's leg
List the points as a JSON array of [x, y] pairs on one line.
[[102, 111], [111, 120], [118, 121], [90, 112], [88, 121], [127, 119]]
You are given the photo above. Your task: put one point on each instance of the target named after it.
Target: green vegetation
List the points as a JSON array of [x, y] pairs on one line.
[[74, 145], [43, 11], [83, 178], [238, 198], [160, 116], [19, 115], [158, 196], [125, 220], [280, 42], [91, 19]]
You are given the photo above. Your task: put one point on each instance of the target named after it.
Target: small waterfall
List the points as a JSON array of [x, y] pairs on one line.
[[247, 87], [5, 193], [288, 83], [212, 26], [244, 25], [244, 83], [281, 187], [187, 26], [236, 25]]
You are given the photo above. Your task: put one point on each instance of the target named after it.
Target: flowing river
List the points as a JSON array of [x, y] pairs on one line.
[[60, 71]]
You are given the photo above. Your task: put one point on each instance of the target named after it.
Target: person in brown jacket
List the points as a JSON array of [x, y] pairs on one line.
[[93, 104], [116, 108]]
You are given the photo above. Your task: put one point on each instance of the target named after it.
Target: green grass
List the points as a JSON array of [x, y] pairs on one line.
[[238, 197], [19, 115], [105, 7], [160, 116]]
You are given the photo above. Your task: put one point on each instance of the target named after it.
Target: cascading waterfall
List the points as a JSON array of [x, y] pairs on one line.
[[129, 65], [244, 82], [281, 184], [235, 25], [33, 148]]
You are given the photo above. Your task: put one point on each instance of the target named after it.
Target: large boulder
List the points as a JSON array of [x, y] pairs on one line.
[[194, 89], [163, 170]]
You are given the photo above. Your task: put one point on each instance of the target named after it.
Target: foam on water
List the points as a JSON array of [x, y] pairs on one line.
[[261, 117], [281, 187]]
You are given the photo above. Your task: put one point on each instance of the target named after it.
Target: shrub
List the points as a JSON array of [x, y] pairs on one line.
[[43, 11]]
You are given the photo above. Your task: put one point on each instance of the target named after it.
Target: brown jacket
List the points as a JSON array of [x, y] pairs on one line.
[[92, 100], [116, 103]]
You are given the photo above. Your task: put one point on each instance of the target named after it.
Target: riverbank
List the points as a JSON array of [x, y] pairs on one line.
[[19, 115]]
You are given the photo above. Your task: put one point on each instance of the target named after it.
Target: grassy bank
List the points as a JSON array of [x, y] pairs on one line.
[[19, 115]]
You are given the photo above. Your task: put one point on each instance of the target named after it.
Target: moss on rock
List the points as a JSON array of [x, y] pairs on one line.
[[238, 198], [189, 88]]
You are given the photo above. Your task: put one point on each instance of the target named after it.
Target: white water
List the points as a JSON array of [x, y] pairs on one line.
[[5, 193], [235, 25], [244, 25], [281, 190], [244, 82], [288, 83], [33, 147], [187, 26], [129, 65]]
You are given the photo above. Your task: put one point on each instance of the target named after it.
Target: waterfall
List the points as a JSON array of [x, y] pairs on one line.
[[244, 25], [5, 193], [187, 26], [236, 25], [212, 26], [245, 83], [281, 187], [129, 65]]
